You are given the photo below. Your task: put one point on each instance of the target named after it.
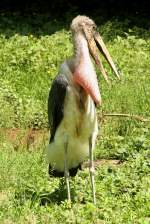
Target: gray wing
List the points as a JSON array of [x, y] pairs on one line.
[[56, 103]]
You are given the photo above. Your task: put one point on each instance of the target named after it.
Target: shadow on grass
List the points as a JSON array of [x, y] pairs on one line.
[[45, 24], [43, 198], [57, 196], [34, 24]]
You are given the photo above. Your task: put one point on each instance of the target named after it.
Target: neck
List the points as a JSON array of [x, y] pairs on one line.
[[81, 51], [81, 59], [82, 72]]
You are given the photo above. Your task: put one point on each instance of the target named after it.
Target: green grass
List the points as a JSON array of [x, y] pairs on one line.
[[31, 52]]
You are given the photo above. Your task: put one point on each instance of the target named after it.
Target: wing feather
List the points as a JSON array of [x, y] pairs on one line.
[[56, 103]]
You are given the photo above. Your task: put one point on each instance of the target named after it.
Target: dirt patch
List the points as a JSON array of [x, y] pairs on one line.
[[24, 138], [3, 197], [102, 162]]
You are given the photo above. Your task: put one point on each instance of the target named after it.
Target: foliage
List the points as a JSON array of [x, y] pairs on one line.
[[28, 196], [30, 55], [29, 61]]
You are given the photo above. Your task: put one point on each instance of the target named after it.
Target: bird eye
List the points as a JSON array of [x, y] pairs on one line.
[[94, 27]]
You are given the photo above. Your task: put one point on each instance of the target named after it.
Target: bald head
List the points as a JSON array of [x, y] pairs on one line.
[[81, 21]]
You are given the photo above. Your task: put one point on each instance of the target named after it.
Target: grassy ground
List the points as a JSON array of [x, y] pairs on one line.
[[31, 50]]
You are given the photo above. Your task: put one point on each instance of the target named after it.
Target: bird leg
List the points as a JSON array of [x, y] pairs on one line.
[[66, 172], [91, 169]]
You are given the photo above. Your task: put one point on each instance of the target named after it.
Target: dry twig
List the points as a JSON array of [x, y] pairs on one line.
[[132, 116]]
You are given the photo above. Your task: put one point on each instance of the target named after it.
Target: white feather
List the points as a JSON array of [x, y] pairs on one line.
[[78, 144]]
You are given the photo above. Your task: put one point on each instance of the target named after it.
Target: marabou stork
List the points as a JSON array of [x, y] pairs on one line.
[[72, 104]]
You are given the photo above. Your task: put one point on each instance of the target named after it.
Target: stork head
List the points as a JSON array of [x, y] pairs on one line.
[[86, 26]]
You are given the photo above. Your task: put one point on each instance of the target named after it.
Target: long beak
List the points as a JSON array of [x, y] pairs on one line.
[[95, 41], [101, 46], [94, 53]]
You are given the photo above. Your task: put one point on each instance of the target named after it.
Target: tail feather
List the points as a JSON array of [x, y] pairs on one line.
[[55, 173]]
